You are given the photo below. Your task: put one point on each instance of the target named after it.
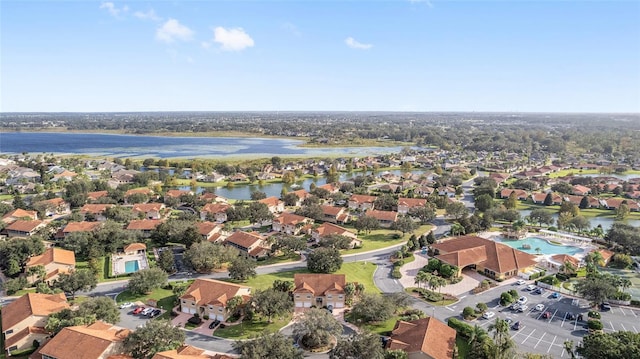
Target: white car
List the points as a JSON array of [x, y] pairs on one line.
[[520, 282], [515, 306], [531, 287], [522, 300], [523, 308], [488, 315], [146, 311], [126, 305], [540, 307]]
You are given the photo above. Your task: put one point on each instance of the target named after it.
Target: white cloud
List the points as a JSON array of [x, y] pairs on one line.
[[112, 9], [352, 43], [234, 39], [149, 15], [172, 30]]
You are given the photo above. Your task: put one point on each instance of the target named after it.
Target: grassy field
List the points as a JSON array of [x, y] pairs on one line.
[[165, 298], [381, 328], [360, 272], [587, 212], [382, 238], [633, 276], [253, 328]]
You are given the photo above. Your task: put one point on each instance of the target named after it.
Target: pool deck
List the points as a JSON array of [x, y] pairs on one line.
[[118, 261], [583, 243]]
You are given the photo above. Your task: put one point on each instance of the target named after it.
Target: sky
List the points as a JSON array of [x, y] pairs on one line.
[[304, 55]]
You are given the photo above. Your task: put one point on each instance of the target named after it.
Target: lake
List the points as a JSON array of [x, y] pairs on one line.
[[133, 146], [605, 222]]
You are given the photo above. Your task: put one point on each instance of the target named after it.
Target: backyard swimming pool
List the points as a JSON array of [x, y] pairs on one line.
[[544, 246], [131, 266]]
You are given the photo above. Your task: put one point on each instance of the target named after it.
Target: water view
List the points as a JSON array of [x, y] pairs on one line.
[[535, 245]]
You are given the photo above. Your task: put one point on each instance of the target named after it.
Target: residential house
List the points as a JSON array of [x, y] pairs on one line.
[[135, 248], [210, 231], [140, 191], [251, 244], [209, 197], [19, 213], [361, 202], [290, 223], [238, 177], [499, 177], [210, 297], [520, 194], [580, 190], [214, 177], [423, 191], [123, 176], [22, 228], [55, 261], [149, 210], [99, 340], [327, 229], [54, 206], [321, 290], [189, 352], [176, 194], [334, 214], [615, 203], [405, 205], [274, 203], [215, 211], [385, 218], [331, 187], [493, 259], [24, 319], [146, 226], [94, 196], [447, 191], [302, 194], [95, 211], [426, 338], [73, 227]]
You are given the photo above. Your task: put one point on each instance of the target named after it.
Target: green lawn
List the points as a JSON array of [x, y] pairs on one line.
[[253, 328], [587, 212], [165, 298], [360, 272], [382, 238], [293, 257], [633, 276]]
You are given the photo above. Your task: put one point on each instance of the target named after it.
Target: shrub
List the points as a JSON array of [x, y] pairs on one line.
[[551, 280], [195, 320], [468, 313], [635, 303], [461, 327], [205, 317], [396, 273], [506, 298], [482, 307], [398, 263], [621, 296], [514, 293], [593, 314], [594, 324]]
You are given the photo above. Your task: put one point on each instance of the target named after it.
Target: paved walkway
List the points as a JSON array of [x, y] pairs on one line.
[[410, 270]]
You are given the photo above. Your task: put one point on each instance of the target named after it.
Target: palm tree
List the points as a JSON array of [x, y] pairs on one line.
[[503, 344], [457, 229], [476, 339], [568, 346], [593, 259], [625, 283], [422, 277], [568, 268]]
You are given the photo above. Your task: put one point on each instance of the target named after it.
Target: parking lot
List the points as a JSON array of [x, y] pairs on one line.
[[546, 335], [132, 321]]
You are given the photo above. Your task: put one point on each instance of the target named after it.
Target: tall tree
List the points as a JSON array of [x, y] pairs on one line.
[[270, 303], [504, 346], [324, 260], [146, 280], [82, 279], [204, 257], [405, 224], [316, 328], [155, 336], [616, 345], [242, 268], [360, 345], [366, 224], [268, 345], [166, 261]]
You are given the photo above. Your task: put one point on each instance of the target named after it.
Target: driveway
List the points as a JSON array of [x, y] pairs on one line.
[[410, 270], [470, 280]]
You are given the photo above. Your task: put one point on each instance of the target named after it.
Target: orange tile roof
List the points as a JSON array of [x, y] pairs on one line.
[[143, 190], [24, 226], [331, 210], [412, 202], [189, 352], [210, 291], [215, 207], [81, 226], [301, 193], [270, 201], [205, 228], [291, 219], [465, 257], [15, 338], [177, 193], [327, 228], [53, 255], [54, 201], [32, 304], [383, 215], [144, 224], [85, 342], [319, 284], [97, 194], [244, 239], [135, 247], [428, 335], [562, 258], [500, 258], [361, 198], [20, 213], [95, 208], [147, 207]]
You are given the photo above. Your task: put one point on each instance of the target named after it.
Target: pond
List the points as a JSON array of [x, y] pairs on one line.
[[605, 222]]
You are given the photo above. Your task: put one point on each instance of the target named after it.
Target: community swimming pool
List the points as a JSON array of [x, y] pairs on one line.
[[541, 244], [131, 266]]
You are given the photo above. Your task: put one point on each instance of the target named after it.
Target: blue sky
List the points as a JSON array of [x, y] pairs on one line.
[[298, 55]]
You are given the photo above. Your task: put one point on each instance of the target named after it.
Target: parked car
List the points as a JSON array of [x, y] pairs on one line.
[[605, 306], [146, 311], [523, 308], [522, 300], [521, 282], [538, 291], [539, 307], [570, 316], [531, 287], [154, 313], [138, 310], [508, 320], [126, 305], [555, 295], [488, 315], [546, 315], [214, 324], [516, 325], [515, 306]]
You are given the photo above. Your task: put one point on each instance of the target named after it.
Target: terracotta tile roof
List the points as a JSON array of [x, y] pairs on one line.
[[319, 284], [92, 196], [500, 258], [189, 352], [215, 207], [15, 338], [270, 201], [606, 254], [244, 239], [580, 188], [215, 292], [143, 224], [538, 197], [561, 258], [205, 228], [20, 213], [147, 207], [383, 215], [301, 193], [327, 228], [208, 197], [32, 304], [143, 190], [24, 226], [81, 226], [53, 255], [95, 208], [361, 198], [88, 342], [465, 257], [331, 187], [428, 335], [177, 193], [54, 202], [331, 210], [135, 247], [258, 252], [412, 202], [291, 219]]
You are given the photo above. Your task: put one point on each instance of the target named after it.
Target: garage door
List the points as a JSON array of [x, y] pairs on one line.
[[307, 304], [298, 304], [188, 310]]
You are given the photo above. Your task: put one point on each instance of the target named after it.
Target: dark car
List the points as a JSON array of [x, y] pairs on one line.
[[214, 324], [155, 313], [516, 326], [570, 316], [605, 306]]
